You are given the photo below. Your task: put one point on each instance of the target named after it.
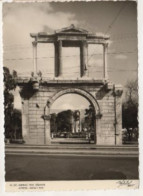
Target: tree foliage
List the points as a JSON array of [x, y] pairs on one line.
[[64, 120], [53, 123], [89, 118], [9, 86], [130, 106], [132, 92]]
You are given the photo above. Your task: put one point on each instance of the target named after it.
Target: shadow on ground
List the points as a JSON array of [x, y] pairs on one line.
[[44, 168]]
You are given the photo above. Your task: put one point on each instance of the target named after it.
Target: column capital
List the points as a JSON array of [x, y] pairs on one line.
[[46, 117], [34, 43], [117, 90], [106, 45], [84, 42], [98, 116], [59, 41]]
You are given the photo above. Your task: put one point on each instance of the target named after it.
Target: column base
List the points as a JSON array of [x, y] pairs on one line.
[[108, 140]]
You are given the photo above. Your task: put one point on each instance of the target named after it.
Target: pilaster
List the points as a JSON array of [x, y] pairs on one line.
[[105, 71], [83, 58], [60, 57], [34, 57]]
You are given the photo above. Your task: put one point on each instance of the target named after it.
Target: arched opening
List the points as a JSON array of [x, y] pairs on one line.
[[73, 118]]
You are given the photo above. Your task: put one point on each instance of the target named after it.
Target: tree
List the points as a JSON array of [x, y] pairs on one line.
[[132, 92], [9, 86], [64, 120], [130, 107], [16, 125], [53, 123], [89, 118]]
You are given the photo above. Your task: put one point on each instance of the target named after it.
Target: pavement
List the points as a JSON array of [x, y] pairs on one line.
[[49, 168], [70, 162], [72, 149]]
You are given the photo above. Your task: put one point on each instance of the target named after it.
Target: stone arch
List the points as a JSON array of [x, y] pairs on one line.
[[81, 92]]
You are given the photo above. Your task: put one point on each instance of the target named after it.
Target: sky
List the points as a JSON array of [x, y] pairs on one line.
[[116, 19], [72, 103]]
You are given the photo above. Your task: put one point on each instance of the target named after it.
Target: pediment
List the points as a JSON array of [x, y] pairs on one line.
[[71, 30]]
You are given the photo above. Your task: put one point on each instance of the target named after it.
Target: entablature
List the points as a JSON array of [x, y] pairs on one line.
[[70, 33], [24, 80]]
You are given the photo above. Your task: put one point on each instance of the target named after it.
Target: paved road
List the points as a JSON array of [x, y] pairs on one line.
[[42, 168]]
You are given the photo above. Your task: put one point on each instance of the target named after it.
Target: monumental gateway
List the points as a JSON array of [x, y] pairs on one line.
[[38, 94]]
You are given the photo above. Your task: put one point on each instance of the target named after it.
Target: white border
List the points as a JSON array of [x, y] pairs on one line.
[[101, 192]]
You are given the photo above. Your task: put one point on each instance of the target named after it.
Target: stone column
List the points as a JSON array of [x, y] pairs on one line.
[[119, 120], [105, 72], [83, 58], [86, 71], [80, 126], [34, 57], [56, 60], [98, 129], [47, 130], [60, 57], [117, 92], [25, 121], [72, 125], [77, 126], [47, 118]]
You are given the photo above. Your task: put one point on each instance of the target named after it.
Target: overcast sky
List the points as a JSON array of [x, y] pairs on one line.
[[21, 19], [72, 103]]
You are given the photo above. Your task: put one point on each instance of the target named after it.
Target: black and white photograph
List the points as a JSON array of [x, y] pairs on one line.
[[70, 77]]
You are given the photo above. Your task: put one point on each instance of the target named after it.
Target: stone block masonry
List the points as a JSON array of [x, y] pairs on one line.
[[36, 130], [39, 93]]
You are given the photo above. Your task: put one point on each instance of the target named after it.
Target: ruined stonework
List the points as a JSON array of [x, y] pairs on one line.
[[38, 94]]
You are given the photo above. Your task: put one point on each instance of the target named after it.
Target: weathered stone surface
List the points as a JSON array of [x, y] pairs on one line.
[[100, 93], [36, 130]]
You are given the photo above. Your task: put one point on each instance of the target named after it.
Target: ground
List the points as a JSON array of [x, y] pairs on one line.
[[69, 167]]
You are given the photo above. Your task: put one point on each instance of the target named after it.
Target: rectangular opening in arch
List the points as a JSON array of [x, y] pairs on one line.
[[70, 62], [45, 59], [95, 61]]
